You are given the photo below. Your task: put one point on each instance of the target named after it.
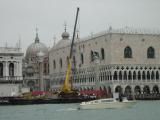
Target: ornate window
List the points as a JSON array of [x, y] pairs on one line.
[[1, 69], [92, 56], [11, 69], [60, 62], [54, 64], [102, 54], [82, 58], [127, 52], [150, 52]]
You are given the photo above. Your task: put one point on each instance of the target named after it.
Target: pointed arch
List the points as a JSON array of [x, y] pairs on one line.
[[143, 75], [128, 90], [155, 89], [139, 75], [148, 75], [137, 90], [127, 52], [150, 52], [129, 75], [115, 75], [125, 75], [118, 89], [120, 75], [152, 75], [157, 75], [146, 89], [134, 75]]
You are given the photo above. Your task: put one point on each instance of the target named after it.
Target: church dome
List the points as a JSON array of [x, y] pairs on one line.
[[64, 41], [65, 35], [35, 48]]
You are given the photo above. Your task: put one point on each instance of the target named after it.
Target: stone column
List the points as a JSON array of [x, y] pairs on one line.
[[132, 76], [15, 68], [122, 77], [20, 69], [6, 69], [118, 76]]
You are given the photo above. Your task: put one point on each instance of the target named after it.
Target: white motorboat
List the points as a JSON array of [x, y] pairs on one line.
[[106, 103]]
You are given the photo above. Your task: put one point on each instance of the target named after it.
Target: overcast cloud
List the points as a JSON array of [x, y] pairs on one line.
[[20, 18]]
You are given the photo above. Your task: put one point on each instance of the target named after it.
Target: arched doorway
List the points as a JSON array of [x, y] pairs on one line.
[[137, 90], [155, 89], [146, 90], [128, 91], [118, 89]]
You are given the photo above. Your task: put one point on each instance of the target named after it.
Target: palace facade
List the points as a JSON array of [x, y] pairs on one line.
[[129, 62]]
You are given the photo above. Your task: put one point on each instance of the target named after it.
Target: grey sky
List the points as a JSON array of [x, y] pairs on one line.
[[20, 18]]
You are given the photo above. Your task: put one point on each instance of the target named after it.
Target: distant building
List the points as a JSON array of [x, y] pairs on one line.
[[10, 70], [31, 65], [129, 62]]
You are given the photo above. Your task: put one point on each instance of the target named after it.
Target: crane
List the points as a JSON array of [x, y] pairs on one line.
[[66, 89]]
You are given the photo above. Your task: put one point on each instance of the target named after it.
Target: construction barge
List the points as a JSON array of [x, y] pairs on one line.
[[24, 101]]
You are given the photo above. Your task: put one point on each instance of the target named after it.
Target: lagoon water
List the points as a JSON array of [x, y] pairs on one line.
[[143, 110]]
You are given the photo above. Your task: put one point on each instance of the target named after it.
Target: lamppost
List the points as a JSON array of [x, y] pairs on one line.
[[40, 60]]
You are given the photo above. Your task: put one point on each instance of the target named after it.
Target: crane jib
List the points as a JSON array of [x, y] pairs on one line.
[[66, 87], [71, 50]]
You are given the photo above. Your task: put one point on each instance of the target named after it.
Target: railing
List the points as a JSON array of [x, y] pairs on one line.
[[11, 79]]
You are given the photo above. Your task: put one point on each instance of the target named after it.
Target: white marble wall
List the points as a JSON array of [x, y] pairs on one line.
[[7, 56]]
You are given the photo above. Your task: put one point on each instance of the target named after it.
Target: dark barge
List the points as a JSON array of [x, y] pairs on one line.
[[24, 101]]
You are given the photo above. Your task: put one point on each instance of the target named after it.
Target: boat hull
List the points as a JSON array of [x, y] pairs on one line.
[[110, 105]]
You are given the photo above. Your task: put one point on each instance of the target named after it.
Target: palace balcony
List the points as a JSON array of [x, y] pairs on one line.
[[11, 79]]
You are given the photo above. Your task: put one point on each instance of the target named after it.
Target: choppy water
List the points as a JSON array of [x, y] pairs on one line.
[[143, 110]]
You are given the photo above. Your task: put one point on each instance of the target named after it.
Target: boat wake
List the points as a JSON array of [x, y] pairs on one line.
[[67, 109]]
